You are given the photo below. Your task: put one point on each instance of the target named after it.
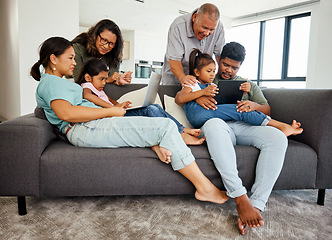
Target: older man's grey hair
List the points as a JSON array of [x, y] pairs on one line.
[[211, 10]]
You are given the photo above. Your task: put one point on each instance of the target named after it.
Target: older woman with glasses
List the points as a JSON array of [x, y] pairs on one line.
[[103, 41]]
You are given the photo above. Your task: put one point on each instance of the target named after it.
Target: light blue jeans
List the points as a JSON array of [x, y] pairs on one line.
[[222, 136], [154, 110], [118, 132]]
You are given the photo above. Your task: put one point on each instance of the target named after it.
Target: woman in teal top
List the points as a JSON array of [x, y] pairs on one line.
[[87, 125], [104, 41]]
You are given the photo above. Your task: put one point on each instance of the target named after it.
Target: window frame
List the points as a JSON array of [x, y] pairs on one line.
[[286, 48]]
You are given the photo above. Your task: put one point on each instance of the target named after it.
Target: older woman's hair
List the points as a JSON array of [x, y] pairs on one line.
[[88, 39]]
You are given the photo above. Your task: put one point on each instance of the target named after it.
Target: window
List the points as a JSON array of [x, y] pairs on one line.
[[277, 50]]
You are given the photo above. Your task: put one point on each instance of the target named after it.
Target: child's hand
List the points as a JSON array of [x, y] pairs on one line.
[[211, 90], [124, 105], [245, 87]]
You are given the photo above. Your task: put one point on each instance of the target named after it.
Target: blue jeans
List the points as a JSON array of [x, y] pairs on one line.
[[222, 136], [198, 115], [154, 110], [118, 132]]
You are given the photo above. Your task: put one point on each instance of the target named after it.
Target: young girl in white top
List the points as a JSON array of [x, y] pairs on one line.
[[203, 67], [93, 77], [88, 125]]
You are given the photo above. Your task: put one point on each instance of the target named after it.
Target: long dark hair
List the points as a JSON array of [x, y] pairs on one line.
[[198, 60], [53, 45], [93, 67], [88, 39]]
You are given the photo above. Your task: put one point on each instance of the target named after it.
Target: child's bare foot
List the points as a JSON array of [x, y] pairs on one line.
[[249, 216], [215, 196], [163, 154], [287, 129], [191, 140], [293, 129], [193, 132], [296, 124]]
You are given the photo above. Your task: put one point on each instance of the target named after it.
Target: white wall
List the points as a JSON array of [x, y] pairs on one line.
[[319, 73], [129, 64], [24, 26], [39, 20], [150, 47]]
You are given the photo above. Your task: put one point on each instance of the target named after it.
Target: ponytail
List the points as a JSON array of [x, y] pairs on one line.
[[35, 71], [192, 61]]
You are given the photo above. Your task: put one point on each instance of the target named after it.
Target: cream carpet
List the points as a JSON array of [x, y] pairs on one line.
[[289, 215]]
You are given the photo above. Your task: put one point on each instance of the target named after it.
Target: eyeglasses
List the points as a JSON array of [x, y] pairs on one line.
[[104, 41]]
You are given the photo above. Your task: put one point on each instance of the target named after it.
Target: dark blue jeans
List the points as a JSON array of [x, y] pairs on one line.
[[154, 110], [197, 115]]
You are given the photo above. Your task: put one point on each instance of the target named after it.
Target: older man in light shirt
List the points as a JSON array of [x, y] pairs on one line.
[[200, 29]]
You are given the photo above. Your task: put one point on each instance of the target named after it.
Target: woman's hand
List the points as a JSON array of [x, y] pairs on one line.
[[211, 90], [116, 111], [125, 78], [114, 78]]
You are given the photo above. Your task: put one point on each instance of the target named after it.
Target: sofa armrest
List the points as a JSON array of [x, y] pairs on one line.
[[22, 142], [313, 109]]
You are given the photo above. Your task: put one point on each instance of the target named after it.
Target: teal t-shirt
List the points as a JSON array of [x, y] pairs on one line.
[[52, 88]]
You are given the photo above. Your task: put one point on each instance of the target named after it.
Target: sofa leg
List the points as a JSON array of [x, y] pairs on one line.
[[22, 206], [321, 197]]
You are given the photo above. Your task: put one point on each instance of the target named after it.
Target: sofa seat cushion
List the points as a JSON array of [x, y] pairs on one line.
[[67, 170]]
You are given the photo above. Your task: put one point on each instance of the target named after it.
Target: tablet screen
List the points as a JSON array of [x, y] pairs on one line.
[[229, 92]]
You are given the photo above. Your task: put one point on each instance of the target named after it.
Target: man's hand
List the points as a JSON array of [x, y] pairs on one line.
[[188, 80], [246, 106], [207, 102], [245, 87]]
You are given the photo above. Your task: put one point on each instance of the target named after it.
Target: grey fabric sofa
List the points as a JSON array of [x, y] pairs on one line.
[[35, 162]]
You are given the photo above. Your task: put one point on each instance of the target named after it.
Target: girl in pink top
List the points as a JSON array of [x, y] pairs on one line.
[[93, 80]]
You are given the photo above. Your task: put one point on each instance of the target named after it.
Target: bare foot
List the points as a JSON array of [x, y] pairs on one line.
[[163, 154], [215, 196], [296, 124], [293, 129], [249, 215], [287, 129], [191, 140], [193, 132], [242, 227]]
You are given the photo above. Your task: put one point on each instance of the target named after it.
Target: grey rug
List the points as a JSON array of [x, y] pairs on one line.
[[289, 215]]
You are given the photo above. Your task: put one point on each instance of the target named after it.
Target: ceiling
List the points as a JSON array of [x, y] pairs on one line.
[[156, 15]]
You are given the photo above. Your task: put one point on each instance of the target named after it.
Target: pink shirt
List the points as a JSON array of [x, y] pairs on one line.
[[101, 94]]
